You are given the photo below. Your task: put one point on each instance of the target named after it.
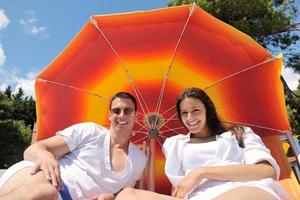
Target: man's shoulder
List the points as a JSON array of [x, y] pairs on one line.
[[137, 152], [88, 128], [89, 125]]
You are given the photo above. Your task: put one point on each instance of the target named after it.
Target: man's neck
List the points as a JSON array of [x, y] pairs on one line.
[[118, 141]]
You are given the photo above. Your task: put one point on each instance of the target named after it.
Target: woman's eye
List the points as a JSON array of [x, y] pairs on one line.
[[196, 110], [183, 113]]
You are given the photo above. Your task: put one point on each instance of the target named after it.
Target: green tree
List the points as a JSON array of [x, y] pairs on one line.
[[17, 116], [23, 108], [270, 22], [15, 137], [6, 108], [293, 106], [8, 92]]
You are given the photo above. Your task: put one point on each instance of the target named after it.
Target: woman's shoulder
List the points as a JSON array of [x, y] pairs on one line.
[[171, 141], [239, 130], [177, 137]]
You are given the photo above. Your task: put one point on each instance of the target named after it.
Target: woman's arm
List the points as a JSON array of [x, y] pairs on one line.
[[243, 172], [240, 172]]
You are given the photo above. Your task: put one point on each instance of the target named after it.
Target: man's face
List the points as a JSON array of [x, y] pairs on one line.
[[122, 115]]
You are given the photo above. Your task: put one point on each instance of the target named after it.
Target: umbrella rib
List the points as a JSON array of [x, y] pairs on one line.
[[269, 59], [139, 92], [72, 87], [135, 88], [181, 35], [164, 124], [160, 100], [141, 125], [171, 119], [162, 136], [171, 129], [168, 110], [140, 114], [171, 63], [148, 142], [158, 141], [140, 139], [257, 126], [143, 132], [141, 129]]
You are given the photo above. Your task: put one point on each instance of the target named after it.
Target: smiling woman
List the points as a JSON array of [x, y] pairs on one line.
[[209, 163]]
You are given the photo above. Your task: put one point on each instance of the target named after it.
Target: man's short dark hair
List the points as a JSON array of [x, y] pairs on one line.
[[124, 95]]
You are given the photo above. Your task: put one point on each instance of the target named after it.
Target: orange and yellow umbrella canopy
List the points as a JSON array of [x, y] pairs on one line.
[[154, 55]]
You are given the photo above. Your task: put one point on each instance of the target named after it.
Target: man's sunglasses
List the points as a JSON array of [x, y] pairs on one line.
[[127, 111]]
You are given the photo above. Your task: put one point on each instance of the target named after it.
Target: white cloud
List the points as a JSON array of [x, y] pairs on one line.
[[12, 78], [27, 84], [291, 77], [3, 86], [30, 25], [4, 21], [2, 56], [36, 30]]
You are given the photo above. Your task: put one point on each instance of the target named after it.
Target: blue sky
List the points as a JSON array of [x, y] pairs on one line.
[[33, 33]]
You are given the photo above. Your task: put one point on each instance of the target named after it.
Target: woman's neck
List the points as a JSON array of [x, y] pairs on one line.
[[206, 135], [198, 139]]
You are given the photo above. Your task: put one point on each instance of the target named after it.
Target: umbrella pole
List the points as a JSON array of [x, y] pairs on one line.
[[151, 178], [294, 146]]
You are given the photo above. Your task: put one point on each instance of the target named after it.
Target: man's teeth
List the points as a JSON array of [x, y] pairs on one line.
[[122, 123]]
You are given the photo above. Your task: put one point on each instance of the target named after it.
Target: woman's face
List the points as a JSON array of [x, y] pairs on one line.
[[193, 115]]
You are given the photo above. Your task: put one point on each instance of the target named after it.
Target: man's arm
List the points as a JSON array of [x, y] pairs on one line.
[[55, 145], [44, 153]]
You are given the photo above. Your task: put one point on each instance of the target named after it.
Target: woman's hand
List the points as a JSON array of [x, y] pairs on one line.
[[47, 163], [104, 196], [188, 183]]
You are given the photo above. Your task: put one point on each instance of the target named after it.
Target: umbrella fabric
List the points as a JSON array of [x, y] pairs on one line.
[[154, 55]]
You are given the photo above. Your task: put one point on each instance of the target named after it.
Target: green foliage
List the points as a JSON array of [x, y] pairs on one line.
[[294, 62], [17, 117], [15, 137], [24, 108], [8, 92], [293, 106], [6, 108], [270, 22]]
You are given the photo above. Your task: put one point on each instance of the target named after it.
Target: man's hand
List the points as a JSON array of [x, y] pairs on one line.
[[104, 196], [44, 154], [50, 167]]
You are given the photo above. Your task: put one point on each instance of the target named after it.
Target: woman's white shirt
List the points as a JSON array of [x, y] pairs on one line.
[[224, 151]]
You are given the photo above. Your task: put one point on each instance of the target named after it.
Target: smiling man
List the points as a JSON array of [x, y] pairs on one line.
[[82, 161]]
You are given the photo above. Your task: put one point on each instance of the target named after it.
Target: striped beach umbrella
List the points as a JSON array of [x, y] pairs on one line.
[[154, 55]]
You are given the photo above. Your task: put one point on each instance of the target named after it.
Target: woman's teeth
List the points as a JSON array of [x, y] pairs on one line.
[[193, 123]]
